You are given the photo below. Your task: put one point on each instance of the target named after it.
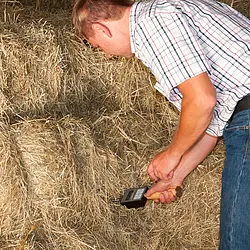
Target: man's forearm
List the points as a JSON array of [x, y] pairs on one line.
[[193, 123], [197, 107], [194, 156], [189, 133]]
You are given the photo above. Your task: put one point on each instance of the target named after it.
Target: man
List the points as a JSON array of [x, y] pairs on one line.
[[199, 52]]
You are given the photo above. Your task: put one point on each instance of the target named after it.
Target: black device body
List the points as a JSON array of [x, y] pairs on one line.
[[134, 197]]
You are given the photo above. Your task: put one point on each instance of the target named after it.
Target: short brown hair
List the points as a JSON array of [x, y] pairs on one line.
[[85, 12]]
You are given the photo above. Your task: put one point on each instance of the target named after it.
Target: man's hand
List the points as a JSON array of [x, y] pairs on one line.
[[163, 187], [162, 165], [188, 162]]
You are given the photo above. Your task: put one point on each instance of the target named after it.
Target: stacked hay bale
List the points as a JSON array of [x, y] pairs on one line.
[[55, 179], [76, 129], [47, 5]]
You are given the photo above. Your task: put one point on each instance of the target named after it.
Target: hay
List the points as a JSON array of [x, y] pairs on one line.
[[44, 5], [76, 129], [30, 67], [63, 194], [12, 187]]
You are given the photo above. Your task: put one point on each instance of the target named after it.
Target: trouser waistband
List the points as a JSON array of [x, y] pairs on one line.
[[243, 104]]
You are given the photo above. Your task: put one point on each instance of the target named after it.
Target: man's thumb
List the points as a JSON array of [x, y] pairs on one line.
[[170, 174], [149, 192]]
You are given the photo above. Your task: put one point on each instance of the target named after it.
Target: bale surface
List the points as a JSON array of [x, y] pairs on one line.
[[76, 130]]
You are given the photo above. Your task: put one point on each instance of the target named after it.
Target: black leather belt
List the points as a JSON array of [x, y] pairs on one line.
[[243, 104]]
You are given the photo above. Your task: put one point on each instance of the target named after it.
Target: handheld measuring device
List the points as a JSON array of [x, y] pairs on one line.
[[134, 197]]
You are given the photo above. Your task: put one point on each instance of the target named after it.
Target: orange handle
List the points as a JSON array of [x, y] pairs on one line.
[[176, 192]]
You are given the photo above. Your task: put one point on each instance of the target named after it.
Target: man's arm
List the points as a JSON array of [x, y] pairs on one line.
[[189, 161], [199, 100]]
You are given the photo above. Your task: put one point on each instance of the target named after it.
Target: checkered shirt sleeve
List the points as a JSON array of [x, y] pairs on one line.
[[170, 49]]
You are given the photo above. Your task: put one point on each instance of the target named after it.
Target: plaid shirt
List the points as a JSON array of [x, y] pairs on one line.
[[179, 39]]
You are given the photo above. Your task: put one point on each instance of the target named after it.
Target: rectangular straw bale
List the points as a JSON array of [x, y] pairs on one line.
[[13, 196], [30, 68], [66, 186], [47, 4]]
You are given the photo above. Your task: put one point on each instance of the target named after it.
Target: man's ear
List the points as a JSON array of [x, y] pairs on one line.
[[101, 29]]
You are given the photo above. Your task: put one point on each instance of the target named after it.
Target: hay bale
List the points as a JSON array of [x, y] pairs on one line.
[[46, 5], [59, 173], [30, 67], [4, 105], [46, 162], [68, 182], [13, 192]]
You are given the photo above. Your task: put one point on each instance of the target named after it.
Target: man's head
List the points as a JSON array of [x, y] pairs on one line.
[[105, 24]]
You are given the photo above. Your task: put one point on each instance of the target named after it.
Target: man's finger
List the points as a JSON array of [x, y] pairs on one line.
[[158, 187], [167, 197], [166, 175], [151, 191], [151, 172], [153, 175], [170, 175]]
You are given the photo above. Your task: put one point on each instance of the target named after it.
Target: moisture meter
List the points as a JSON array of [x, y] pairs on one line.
[[134, 197]]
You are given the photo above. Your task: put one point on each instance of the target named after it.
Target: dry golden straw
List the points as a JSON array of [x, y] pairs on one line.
[[76, 129]]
